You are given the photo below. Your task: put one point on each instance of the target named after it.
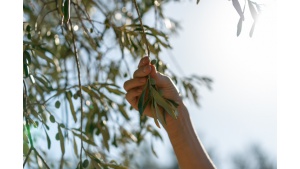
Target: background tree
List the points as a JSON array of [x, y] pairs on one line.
[[253, 158], [76, 56]]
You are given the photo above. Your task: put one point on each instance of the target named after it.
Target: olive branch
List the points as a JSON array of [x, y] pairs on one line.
[[151, 96]]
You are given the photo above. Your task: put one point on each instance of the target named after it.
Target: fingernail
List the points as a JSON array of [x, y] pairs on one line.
[[144, 59]]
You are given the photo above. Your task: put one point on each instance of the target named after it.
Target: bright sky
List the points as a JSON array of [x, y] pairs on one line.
[[241, 108], [242, 105]]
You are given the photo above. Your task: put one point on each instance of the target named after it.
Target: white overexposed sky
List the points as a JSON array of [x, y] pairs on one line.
[[241, 108], [230, 116]]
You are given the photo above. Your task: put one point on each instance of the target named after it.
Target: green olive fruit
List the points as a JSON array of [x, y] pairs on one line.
[[153, 62]]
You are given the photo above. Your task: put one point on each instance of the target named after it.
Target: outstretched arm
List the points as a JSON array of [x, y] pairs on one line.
[[187, 146]]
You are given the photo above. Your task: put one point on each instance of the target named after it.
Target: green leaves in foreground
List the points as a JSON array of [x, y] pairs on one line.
[[158, 104]]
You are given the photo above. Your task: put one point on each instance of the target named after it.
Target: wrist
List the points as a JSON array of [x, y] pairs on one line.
[[176, 126]]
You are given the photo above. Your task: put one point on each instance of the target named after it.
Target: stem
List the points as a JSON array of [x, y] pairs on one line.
[[141, 22], [27, 156], [26, 119], [28, 132], [80, 92], [37, 153]]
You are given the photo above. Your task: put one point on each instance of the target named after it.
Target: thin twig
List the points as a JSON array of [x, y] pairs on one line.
[[90, 20], [79, 83], [28, 132], [27, 156], [37, 153], [141, 23]]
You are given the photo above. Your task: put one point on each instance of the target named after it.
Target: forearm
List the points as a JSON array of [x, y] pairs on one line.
[[187, 146]]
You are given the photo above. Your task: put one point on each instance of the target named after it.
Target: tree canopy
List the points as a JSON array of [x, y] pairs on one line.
[[76, 56]]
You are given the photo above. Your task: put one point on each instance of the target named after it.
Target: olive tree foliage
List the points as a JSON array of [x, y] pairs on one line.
[[255, 157], [76, 56]]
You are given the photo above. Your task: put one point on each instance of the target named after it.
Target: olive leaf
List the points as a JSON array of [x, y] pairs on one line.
[[252, 29], [238, 8], [162, 102], [69, 98], [141, 106], [254, 14], [66, 10], [61, 138], [48, 140], [239, 27], [155, 99], [253, 11], [159, 114], [154, 115]]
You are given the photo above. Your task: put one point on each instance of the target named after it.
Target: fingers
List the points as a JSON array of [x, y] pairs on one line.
[[160, 79], [142, 71], [132, 96], [144, 68], [144, 61], [134, 83]]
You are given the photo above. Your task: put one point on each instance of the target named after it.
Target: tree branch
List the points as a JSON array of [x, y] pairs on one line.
[[80, 91], [141, 23]]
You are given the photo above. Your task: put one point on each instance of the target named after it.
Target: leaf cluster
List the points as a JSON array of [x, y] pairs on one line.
[[92, 42], [255, 10]]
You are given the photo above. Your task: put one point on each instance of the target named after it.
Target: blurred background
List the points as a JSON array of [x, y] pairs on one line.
[[237, 118]]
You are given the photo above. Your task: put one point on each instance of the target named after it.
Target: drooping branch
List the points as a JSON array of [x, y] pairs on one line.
[[141, 23], [80, 91]]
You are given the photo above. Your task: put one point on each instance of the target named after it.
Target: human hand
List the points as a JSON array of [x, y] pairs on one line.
[[164, 84]]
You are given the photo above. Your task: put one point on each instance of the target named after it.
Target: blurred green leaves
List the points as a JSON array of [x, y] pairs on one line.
[[107, 47]]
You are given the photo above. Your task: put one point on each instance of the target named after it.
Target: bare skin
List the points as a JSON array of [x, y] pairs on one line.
[[187, 146]]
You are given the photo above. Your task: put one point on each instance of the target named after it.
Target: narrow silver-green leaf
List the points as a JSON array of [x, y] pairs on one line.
[[123, 112], [238, 8], [252, 29], [106, 137], [198, 1], [153, 111], [159, 114], [173, 102], [48, 140], [85, 138], [90, 91], [43, 56], [162, 102], [69, 98], [115, 91], [61, 138], [141, 106], [239, 27], [174, 106], [75, 147], [252, 10]]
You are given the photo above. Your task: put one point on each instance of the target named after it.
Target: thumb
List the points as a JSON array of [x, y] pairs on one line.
[[160, 79]]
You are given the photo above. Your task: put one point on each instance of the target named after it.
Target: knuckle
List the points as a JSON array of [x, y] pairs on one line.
[[125, 85], [127, 96]]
